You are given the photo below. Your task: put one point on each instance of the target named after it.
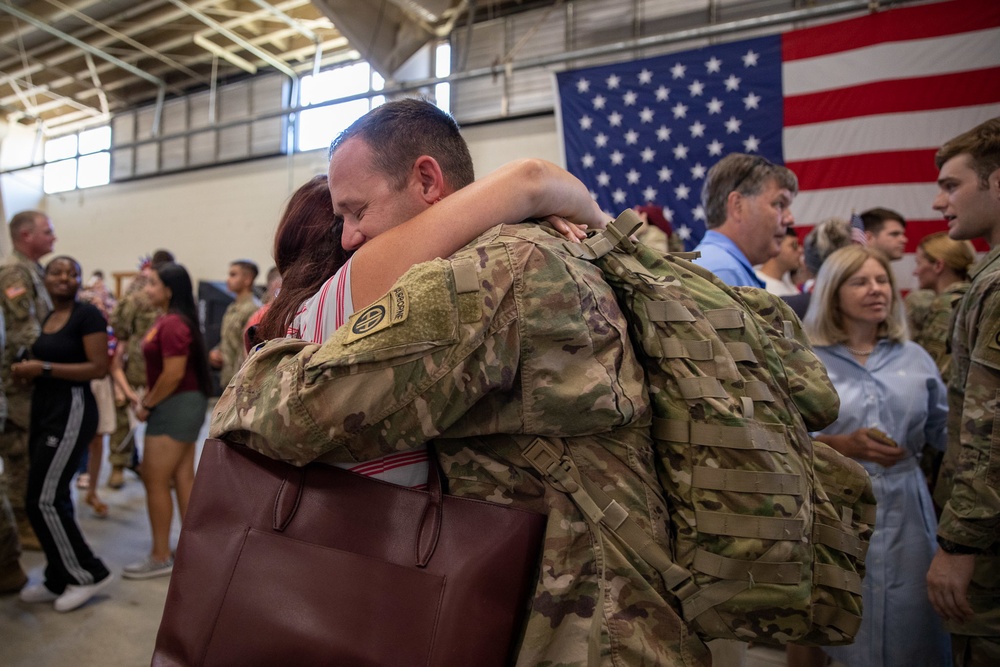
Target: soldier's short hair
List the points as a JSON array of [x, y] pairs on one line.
[[248, 266], [22, 221], [874, 219], [981, 144], [746, 174], [402, 130], [824, 320]]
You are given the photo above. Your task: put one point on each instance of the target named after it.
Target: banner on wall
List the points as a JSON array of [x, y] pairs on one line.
[[855, 108]]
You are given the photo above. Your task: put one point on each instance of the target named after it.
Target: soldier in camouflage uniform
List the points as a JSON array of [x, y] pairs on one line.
[[509, 340], [25, 304], [12, 576], [130, 320], [964, 578], [942, 266], [917, 304], [231, 351]]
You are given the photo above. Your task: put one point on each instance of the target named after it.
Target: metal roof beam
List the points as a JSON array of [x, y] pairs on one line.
[[223, 30], [282, 16], [44, 27], [128, 40]]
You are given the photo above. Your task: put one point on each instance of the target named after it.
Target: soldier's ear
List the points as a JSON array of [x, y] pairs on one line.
[[429, 179]]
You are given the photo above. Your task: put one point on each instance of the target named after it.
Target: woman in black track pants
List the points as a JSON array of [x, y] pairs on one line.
[[70, 351]]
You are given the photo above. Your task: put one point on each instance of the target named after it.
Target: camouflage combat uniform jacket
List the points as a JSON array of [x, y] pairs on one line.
[[508, 340], [234, 321], [917, 304], [969, 486], [25, 305], [936, 330], [132, 317]]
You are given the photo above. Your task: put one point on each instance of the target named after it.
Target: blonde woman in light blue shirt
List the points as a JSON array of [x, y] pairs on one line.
[[892, 402]]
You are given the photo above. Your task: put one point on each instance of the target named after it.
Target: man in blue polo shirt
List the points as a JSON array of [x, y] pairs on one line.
[[747, 202]]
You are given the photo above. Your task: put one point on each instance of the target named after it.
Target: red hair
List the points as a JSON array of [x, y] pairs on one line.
[[307, 251]]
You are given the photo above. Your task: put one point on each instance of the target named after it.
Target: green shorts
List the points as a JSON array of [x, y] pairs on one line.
[[181, 416]]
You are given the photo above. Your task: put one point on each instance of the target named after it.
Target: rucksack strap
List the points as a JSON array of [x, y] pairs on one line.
[[549, 458], [618, 233]]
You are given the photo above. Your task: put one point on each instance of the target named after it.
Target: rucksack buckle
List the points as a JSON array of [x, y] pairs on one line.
[[547, 460]]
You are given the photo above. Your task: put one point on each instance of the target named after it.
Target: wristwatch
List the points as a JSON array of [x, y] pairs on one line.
[[955, 548], [46, 369]]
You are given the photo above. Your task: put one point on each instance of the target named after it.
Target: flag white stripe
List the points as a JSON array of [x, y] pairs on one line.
[[893, 60], [912, 200], [887, 132], [902, 269]]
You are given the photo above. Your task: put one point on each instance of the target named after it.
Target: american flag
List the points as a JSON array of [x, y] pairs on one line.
[[855, 108], [858, 229]]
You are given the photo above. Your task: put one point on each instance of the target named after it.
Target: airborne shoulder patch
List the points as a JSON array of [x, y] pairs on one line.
[[391, 309]]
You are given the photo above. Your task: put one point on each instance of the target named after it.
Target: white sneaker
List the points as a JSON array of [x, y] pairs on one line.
[[37, 593], [75, 596], [148, 568]]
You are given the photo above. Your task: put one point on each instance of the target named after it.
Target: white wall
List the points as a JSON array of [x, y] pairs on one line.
[[211, 216], [21, 190]]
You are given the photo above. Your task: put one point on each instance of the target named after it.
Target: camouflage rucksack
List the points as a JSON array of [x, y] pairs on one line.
[[769, 529]]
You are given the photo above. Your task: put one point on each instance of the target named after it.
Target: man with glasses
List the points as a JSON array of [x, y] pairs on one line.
[[747, 202]]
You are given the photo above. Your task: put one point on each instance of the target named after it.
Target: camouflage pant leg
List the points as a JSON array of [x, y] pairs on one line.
[[121, 444], [969, 651], [10, 545], [14, 451]]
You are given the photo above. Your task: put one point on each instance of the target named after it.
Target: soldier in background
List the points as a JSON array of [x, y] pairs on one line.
[[964, 578], [917, 305], [12, 575], [25, 304], [130, 320], [230, 352]]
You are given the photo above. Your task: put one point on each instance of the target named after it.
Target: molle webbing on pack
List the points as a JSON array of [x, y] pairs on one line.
[[769, 528]]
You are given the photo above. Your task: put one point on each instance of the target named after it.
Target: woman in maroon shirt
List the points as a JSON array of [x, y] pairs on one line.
[[174, 409]]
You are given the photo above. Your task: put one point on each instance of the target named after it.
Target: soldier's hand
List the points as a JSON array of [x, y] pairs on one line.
[[215, 358], [948, 584]]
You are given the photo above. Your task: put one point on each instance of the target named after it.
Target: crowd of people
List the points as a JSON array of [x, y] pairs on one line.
[[544, 357]]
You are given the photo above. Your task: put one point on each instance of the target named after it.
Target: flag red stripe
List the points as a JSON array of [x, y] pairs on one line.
[[898, 96], [913, 166], [936, 20], [916, 230]]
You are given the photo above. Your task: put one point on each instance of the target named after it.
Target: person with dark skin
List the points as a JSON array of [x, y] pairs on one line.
[[71, 350]]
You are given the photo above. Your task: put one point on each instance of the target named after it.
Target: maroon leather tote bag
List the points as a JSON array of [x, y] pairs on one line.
[[281, 565]]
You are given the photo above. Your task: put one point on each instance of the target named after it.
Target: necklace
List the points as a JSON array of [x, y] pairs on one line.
[[859, 353]]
